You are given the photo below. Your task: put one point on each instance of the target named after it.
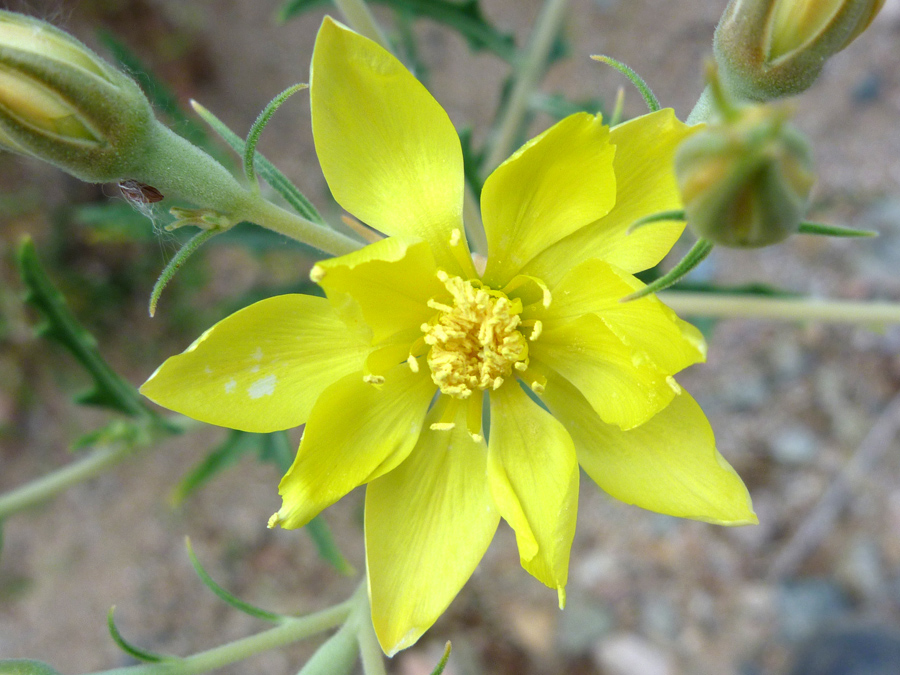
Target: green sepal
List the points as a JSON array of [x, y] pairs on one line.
[[693, 258], [130, 649], [661, 217], [266, 169], [638, 81], [224, 595], [177, 262], [256, 130], [824, 230], [109, 390], [443, 662], [464, 17]]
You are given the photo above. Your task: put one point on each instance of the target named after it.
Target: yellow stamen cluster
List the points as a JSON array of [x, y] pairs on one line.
[[475, 342]]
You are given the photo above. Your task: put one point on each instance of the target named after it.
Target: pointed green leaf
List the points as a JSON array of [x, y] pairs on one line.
[[833, 230], [464, 17], [257, 128], [110, 390], [266, 169], [443, 662], [128, 648], [693, 258], [238, 604]]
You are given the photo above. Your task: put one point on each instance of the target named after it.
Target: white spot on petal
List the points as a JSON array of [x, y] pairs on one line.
[[258, 354], [229, 386], [263, 387]]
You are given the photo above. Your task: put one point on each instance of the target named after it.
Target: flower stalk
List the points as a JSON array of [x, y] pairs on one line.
[[730, 305], [530, 69]]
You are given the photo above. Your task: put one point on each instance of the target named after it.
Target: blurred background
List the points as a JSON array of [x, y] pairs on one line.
[[797, 409]]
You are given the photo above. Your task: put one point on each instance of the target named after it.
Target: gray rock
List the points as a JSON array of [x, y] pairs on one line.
[[806, 605], [794, 445], [850, 650], [630, 654]]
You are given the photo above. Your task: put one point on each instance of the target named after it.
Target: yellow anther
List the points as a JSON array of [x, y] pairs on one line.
[[317, 273], [373, 379], [413, 363], [476, 342], [443, 426]]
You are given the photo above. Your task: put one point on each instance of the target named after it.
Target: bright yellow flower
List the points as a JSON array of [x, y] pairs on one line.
[[389, 373]]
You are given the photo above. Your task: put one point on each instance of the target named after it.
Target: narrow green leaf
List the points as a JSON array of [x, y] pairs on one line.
[[834, 230], [128, 648], [109, 389], [225, 595], [260, 124], [464, 17], [226, 454], [327, 548], [693, 258], [266, 169], [638, 81], [277, 449], [661, 217], [177, 262], [443, 662]]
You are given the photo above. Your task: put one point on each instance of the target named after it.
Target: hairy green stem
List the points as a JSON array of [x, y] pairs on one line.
[[48, 486], [289, 631], [529, 71], [358, 15], [723, 305], [266, 214]]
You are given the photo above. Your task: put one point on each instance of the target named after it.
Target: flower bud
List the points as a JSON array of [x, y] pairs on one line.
[[25, 667], [62, 103], [766, 49], [745, 181]]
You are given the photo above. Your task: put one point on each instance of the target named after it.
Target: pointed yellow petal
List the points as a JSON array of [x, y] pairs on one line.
[[645, 184], [669, 464], [623, 385], [554, 185], [355, 433], [646, 325], [428, 524], [533, 475], [262, 368], [388, 151], [383, 287]]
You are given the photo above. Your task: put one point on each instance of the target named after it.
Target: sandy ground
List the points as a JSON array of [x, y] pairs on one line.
[[791, 404]]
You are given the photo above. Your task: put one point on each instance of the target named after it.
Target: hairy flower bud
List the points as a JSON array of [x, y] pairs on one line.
[[745, 181], [25, 667], [766, 49], [62, 103]]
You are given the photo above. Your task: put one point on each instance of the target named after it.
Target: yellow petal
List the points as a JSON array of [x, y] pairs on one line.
[[262, 368], [623, 386], [388, 150], [645, 184], [533, 474], [669, 464], [428, 524], [355, 433], [646, 325], [554, 185], [383, 287]]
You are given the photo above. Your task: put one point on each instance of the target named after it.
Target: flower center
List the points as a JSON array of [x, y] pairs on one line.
[[475, 342]]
